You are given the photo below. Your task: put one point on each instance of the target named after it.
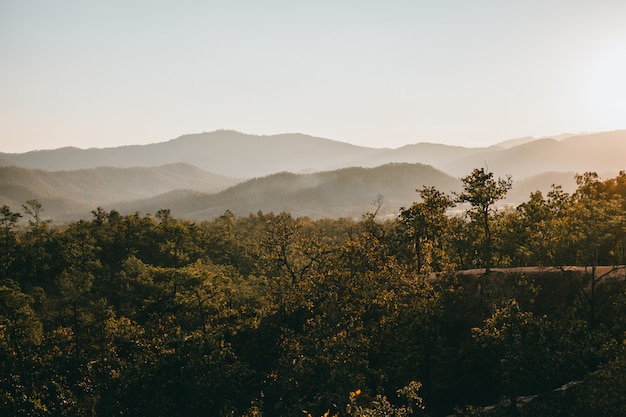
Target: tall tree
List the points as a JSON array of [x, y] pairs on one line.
[[423, 224], [35, 256], [293, 246], [517, 342], [481, 190], [596, 224], [8, 222], [20, 333]]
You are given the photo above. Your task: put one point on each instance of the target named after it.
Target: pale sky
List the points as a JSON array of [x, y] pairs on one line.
[[374, 73]]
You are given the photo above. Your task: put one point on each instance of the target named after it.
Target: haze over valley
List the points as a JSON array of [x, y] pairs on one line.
[[200, 176]]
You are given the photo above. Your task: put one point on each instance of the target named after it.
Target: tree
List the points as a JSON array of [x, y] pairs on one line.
[[20, 333], [34, 209], [516, 339], [8, 221], [605, 389], [381, 407], [424, 223], [35, 256], [541, 229], [596, 225], [293, 246], [482, 191]]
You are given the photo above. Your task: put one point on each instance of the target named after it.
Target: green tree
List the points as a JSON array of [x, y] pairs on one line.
[[34, 209], [21, 333], [516, 339], [424, 223], [293, 247], [536, 232], [603, 392], [8, 222], [36, 254], [596, 226], [482, 191]]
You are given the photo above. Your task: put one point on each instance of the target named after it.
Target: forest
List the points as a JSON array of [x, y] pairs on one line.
[[455, 307]]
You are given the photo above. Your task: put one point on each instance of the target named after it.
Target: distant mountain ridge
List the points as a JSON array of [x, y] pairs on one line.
[[227, 153], [64, 193], [266, 173], [520, 141], [598, 152], [192, 193], [347, 192], [238, 155]]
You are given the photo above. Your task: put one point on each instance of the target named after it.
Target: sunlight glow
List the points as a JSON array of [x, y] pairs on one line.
[[605, 86]]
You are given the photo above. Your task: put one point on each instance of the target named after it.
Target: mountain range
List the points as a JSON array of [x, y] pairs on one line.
[[202, 175]]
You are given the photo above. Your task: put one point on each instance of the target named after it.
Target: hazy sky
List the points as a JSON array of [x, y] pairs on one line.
[[473, 73]]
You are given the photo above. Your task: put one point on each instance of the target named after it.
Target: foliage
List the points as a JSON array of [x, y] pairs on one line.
[[381, 407], [605, 390], [423, 225], [482, 191], [273, 315]]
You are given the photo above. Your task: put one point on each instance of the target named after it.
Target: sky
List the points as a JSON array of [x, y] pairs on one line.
[[92, 73]]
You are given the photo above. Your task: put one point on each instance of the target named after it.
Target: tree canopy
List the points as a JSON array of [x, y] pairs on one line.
[[272, 315]]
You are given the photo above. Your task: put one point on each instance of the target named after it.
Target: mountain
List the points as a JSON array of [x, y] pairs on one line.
[[434, 154], [228, 153], [192, 193], [520, 141], [515, 142], [63, 193], [238, 155], [347, 192], [541, 182], [599, 152], [340, 180]]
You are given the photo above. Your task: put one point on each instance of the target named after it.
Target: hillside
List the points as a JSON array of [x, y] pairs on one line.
[[340, 180], [600, 152], [193, 193], [217, 306], [239, 155], [526, 139], [434, 154], [65, 192], [227, 153], [541, 182], [347, 192]]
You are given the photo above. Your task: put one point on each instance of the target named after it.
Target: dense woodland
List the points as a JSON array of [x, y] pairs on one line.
[[271, 315]]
